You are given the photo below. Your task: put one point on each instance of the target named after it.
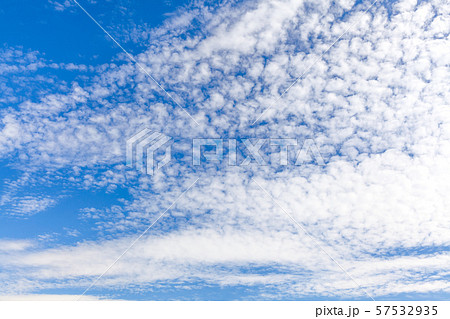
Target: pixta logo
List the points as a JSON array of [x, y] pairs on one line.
[[149, 151], [276, 148], [141, 149]]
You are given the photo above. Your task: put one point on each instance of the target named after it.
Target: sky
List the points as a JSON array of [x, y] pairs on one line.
[[360, 86]]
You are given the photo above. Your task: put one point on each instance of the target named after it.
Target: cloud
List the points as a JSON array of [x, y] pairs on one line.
[[292, 264], [28, 205], [42, 297], [15, 245], [376, 103]]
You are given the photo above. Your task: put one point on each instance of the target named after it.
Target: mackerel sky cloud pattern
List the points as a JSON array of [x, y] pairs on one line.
[[376, 103]]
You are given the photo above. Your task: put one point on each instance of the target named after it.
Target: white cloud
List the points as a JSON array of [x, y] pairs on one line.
[[28, 205], [42, 297], [14, 245], [377, 103]]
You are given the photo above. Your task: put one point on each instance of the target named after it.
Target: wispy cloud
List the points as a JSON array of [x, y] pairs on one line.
[[27, 206], [376, 103]]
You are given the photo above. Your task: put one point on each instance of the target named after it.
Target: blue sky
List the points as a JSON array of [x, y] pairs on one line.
[[367, 82]]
